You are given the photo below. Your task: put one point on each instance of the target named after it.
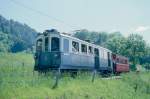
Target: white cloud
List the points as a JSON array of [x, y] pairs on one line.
[[142, 28]]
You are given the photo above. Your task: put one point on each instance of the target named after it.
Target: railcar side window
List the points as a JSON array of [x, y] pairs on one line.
[[84, 48], [39, 45], [117, 60], [55, 43], [105, 55], [96, 52], [102, 53], [46, 43], [66, 45], [90, 50], [126, 62], [75, 46]]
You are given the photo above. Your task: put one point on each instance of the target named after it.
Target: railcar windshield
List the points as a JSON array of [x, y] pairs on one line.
[[55, 44], [39, 45], [122, 60]]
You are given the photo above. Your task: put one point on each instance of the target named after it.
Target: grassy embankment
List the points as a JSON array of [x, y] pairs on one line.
[[17, 81]]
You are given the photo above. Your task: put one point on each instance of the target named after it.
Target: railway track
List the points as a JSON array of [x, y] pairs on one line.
[[112, 77]]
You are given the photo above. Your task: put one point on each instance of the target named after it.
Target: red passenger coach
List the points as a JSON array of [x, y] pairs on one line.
[[120, 63]]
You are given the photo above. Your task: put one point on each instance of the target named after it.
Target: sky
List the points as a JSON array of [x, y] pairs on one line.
[[126, 16]]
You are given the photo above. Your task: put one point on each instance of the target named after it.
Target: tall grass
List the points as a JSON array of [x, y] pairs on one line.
[[18, 81]]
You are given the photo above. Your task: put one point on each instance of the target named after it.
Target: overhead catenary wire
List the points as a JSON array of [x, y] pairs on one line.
[[44, 14]]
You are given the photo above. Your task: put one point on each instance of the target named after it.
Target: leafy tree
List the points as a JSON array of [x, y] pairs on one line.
[[135, 48], [82, 34], [5, 43], [14, 36], [98, 38], [145, 60], [115, 35], [117, 45]]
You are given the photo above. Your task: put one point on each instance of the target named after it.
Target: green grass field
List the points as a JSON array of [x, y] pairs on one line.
[[18, 81]]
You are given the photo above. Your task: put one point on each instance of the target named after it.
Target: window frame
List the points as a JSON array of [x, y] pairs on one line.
[[96, 54], [75, 49], [64, 49], [90, 51], [58, 49], [82, 50]]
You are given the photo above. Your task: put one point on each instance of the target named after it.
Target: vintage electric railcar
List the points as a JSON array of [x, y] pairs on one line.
[[56, 50]]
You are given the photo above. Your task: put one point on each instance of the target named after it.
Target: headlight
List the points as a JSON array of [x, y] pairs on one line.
[[55, 55], [35, 56]]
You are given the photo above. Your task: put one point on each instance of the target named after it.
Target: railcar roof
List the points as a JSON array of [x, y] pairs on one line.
[[71, 37]]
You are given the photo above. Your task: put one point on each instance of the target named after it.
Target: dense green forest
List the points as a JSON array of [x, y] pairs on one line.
[[14, 36]]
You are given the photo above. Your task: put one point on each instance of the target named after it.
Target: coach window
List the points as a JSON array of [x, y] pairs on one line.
[[90, 49], [83, 48], [123, 61], [75, 46], [66, 45], [117, 60], [102, 53], [39, 45], [55, 44], [120, 60], [96, 52], [105, 54], [126, 62]]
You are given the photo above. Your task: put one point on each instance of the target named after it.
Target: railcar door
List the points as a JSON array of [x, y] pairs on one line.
[[55, 55], [109, 59], [44, 55], [38, 52], [96, 58]]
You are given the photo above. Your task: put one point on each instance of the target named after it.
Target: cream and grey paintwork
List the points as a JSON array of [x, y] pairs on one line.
[[78, 60]]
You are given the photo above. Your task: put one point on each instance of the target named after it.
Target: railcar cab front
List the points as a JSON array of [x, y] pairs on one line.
[[120, 64], [47, 50]]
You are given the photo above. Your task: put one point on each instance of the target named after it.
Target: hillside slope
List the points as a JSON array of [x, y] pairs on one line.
[[15, 36], [18, 81]]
